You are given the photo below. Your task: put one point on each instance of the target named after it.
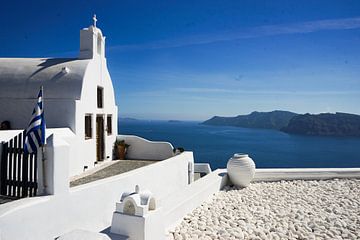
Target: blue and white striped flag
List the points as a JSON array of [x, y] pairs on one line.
[[35, 133]]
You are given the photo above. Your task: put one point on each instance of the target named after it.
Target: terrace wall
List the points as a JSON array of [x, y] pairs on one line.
[[89, 206]]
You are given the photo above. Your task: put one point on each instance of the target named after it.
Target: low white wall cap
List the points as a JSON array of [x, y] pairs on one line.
[[278, 174]]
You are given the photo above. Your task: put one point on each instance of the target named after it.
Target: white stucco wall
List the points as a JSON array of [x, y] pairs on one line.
[[141, 148], [177, 205], [89, 206], [96, 76], [58, 112], [56, 169], [20, 80]]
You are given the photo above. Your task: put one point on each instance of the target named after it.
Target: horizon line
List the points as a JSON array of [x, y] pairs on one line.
[[193, 120]]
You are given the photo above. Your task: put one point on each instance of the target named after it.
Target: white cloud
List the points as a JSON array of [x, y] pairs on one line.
[[181, 91], [263, 92], [260, 31]]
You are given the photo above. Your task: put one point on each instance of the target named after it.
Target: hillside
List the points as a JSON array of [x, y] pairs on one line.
[[269, 120], [325, 124]]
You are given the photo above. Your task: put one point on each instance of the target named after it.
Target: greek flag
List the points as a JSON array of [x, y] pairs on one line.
[[35, 133]]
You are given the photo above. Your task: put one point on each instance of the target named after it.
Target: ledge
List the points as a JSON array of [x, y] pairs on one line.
[[22, 203], [278, 174]]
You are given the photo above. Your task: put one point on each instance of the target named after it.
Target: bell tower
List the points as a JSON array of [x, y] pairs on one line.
[[92, 42]]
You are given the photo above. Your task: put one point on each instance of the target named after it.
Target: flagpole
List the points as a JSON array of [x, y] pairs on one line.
[[43, 144]]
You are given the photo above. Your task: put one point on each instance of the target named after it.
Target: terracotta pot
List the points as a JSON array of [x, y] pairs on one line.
[[120, 152], [241, 169]]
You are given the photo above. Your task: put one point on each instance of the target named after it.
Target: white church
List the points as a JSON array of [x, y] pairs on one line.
[[79, 98]]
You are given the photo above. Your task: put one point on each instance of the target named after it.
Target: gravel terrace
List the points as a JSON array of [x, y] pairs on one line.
[[112, 170], [327, 209]]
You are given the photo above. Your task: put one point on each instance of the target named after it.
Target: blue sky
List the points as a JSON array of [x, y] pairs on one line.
[[190, 60]]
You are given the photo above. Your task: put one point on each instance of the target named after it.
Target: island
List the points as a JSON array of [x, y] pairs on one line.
[[269, 120], [174, 121], [127, 119], [324, 124]]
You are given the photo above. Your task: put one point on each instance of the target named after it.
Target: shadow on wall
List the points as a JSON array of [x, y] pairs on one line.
[[49, 62]]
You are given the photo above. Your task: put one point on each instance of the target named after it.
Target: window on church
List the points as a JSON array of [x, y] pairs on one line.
[[109, 124], [100, 97], [88, 130]]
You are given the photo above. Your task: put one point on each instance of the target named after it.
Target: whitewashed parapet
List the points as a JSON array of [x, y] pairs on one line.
[[141, 148], [79, 208], [202, 168], [6, 135], [56, 165], [183, 201], [278, 174]]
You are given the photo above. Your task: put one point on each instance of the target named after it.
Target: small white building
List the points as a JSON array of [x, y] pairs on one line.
[[78, 95]]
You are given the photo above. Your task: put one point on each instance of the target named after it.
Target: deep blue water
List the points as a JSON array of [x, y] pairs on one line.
[[268, 148]]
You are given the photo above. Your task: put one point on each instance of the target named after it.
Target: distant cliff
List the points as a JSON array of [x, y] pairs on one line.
[[127, 119], [270, 120], [325, 124]]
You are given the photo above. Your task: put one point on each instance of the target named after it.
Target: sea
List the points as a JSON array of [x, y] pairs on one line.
[[268, 148]]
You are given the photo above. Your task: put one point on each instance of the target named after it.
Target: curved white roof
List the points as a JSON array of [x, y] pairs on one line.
[[61, 77]]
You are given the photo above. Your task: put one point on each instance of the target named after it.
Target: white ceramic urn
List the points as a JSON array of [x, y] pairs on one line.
[[241, 169]]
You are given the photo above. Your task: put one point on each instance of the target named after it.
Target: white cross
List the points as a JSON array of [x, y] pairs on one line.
[[95, 20]]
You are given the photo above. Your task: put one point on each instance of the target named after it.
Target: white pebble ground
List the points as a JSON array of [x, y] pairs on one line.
[[328, 209]]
